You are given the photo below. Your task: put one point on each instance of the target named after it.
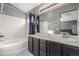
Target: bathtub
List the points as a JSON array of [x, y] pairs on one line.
[[13, 47]]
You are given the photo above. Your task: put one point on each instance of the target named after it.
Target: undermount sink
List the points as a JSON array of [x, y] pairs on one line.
[[71, 40]]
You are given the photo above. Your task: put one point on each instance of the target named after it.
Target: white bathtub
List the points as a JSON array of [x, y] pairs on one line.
[[13, 46]]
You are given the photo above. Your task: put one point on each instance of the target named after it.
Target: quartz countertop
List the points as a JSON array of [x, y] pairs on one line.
[[71, 40]]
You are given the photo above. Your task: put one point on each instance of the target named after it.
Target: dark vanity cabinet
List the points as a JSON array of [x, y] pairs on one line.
[[53, 48], [30, 44], [49, 48], [70, 50], [36, 46], [43, 46]]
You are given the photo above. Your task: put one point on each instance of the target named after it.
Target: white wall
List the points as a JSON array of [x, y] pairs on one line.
[[13, 26], [53, 16], [69, 16], [44, 27]]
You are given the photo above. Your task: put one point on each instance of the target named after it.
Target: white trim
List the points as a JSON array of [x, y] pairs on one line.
[[2, 8]]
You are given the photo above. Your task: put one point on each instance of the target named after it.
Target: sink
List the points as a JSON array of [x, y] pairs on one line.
[[71, 40]]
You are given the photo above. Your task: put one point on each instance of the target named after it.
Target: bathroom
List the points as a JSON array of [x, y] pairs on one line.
[[19, 21]]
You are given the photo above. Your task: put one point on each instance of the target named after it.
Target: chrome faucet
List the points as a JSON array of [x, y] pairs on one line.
[[65, 35]]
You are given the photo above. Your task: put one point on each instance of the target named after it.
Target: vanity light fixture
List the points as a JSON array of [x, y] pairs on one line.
[[48, 6]]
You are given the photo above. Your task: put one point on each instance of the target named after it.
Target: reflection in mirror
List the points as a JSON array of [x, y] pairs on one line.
[[68, 22]]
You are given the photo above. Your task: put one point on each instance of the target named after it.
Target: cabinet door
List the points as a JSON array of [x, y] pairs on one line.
[[70, 50], [53, 48], [43, 49], [30, 44], [36, 46]]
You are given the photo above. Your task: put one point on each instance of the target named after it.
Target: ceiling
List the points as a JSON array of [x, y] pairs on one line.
[[26, 6]]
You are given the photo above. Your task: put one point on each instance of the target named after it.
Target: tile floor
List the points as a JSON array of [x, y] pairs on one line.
[[25, 53]]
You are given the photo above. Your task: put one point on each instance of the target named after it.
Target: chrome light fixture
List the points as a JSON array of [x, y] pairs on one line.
[[49, 5]]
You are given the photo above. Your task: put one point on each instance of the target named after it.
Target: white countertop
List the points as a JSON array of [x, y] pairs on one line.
[[71, 40]]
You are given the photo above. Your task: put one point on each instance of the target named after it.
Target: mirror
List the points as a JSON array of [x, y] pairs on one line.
[[68, 22]]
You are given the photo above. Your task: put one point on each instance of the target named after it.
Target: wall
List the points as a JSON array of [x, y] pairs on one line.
[[69, 25], [13, 26], [13, 23], [11, 10], [45, 27], [53, 16]]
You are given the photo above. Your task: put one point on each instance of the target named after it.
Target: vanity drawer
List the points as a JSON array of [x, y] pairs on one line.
[[42, 53], [53, 48], [68, 50], [43, 42], [30, 44], [43, 49], [36, 46]]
